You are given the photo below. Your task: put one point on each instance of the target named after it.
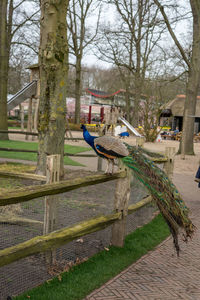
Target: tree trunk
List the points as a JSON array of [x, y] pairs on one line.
[[135, 119], [53, 61], [4, 59], [78, 91], [193, 85], [128, 105]]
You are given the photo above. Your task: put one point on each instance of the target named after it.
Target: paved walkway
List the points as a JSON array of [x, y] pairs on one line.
[[160, 275]]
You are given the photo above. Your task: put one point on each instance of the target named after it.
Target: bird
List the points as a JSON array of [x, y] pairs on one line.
[[164, 193], [106, 147]]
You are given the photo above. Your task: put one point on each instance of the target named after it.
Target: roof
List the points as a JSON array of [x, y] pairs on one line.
[[177, 106], [101, 94]]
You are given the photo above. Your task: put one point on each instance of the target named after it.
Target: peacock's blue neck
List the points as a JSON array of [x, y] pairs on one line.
[[89, 138]]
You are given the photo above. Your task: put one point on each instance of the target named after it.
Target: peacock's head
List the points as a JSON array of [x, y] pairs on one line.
[[83, 127]]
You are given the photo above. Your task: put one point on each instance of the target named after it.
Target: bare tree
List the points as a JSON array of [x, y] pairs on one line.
[[53, 62], [80, 37], [4, 56], [155, 98], [193, 67], [101, 78], [129, 45], [8, 29]]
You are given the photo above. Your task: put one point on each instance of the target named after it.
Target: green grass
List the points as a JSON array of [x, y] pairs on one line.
[[34, 146], [84, 278]]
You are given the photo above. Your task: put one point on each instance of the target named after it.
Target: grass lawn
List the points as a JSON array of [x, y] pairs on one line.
[[84, 278], [34, 146]]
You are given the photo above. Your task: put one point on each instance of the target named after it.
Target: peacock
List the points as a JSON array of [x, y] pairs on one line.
[[106, 147], [163, 191]]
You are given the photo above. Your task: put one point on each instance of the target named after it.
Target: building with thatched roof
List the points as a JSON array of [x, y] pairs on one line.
[[175, 109]]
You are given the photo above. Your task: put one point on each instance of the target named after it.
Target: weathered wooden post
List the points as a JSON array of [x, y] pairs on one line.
[[22, 116], [51, 203], [140, 141], [35, 117], [122, 196], [169, 164], [99, 164], [99, 159], [30, 118]]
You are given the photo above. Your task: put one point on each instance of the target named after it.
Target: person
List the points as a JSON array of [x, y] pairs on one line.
[[197, 177], [176, 131], [159, 138]]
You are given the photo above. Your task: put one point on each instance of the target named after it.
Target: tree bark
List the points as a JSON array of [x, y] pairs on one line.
[[53, 61], [78, 90], [4, 58], [187, 146]]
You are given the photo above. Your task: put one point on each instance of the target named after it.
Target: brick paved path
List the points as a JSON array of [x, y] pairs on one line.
[[160, 275]]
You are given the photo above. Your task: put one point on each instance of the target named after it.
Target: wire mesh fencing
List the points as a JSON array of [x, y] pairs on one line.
[[24, 221]]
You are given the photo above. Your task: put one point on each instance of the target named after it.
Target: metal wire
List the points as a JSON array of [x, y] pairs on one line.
[[73, 207]]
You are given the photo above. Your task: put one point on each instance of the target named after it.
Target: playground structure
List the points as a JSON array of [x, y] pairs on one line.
[[31, 91]]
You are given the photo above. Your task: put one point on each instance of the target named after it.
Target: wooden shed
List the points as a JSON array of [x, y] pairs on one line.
[[175, 109]]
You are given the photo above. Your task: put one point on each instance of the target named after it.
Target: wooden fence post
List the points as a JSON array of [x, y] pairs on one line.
[[99, 164], [22, 116], [30, 118], [122, 196], [50, 203], [35, 118], [140, 141], [169, 164], [99, 159]]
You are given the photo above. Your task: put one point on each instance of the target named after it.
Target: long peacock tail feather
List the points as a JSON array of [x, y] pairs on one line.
[[163, 192]]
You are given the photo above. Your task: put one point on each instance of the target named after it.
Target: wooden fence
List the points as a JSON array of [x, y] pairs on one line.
[[57, 238], [34, 134]]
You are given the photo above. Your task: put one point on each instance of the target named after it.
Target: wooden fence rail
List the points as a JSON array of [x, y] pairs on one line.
[[35, 151], [35, 134], [19, 132], [63, 236], [55, 239], [23, 175], [158, 160], [31, 192]]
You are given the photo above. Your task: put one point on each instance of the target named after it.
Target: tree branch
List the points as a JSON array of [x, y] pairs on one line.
[[172, 33]]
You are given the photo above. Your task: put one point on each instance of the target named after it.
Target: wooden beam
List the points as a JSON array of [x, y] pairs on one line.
[[31, 192], [170, 153], [63, 236], [80, 155], [159, 160], [18, 220], [51, 203], [73, 139], [23, 175], [55, 239], [19, 132], [139, 204], [35, 151], [17, 150], [121, 201]]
